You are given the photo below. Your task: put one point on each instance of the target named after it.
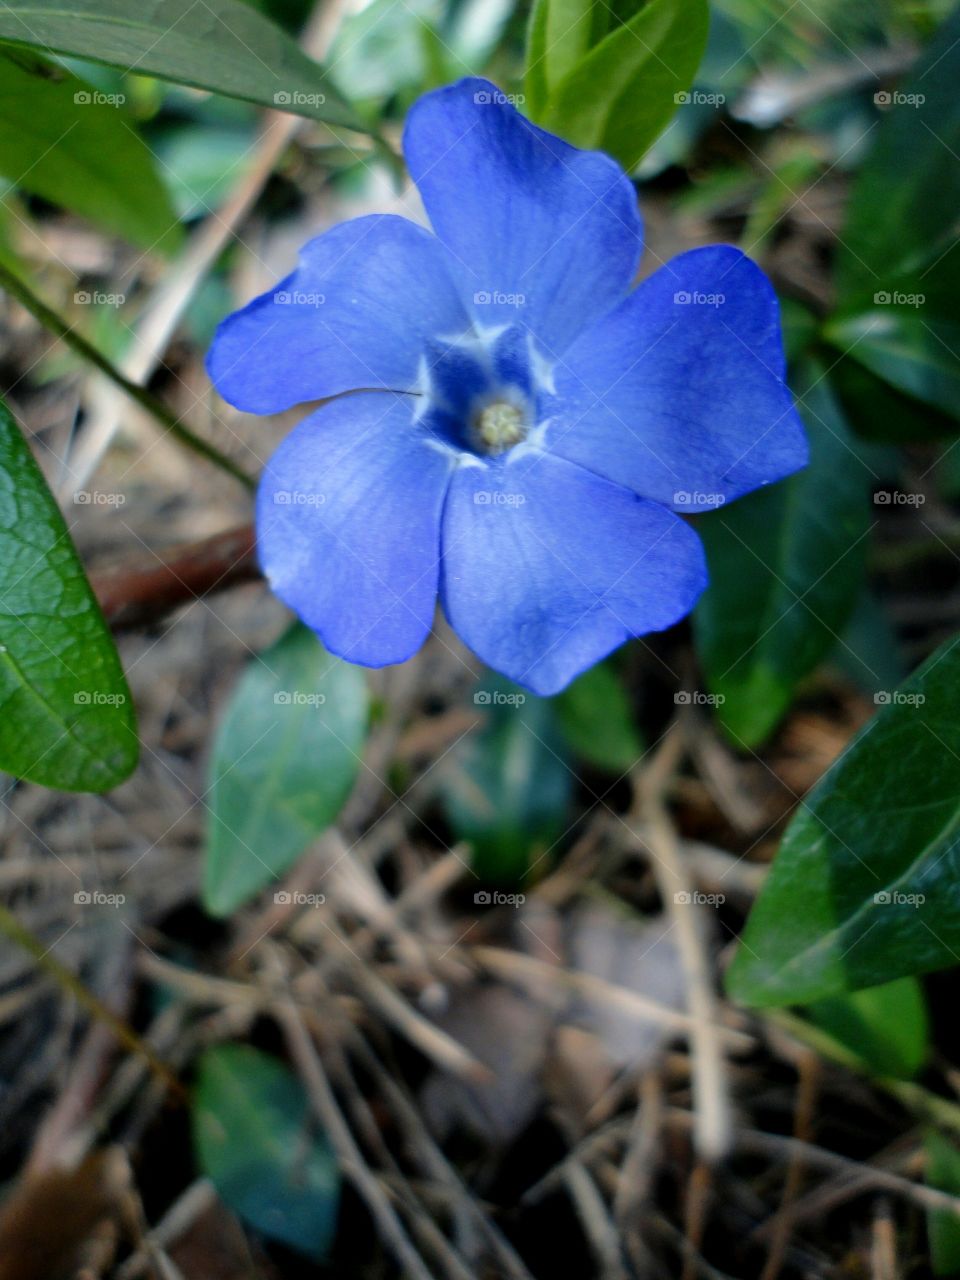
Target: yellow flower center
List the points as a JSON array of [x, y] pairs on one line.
[[500, 426]]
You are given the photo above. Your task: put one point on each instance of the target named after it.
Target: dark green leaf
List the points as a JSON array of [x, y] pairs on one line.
[[68, 142], [619, 95], [864, 888], [915, 352], [595, 717], [67, 720], [507, 786], [786, 567], [284, 759], [877, 411], [224, 46], [904, 212], [255, 1140], [943, 1227], [886, 1027]]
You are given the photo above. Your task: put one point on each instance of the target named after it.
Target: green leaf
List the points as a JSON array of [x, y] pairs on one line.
[[943, 1227], [886, 1026], [284, 758], [864, 888], [914, 352], [507, 787], [902, 238], [903, 214], [223, 46], [255, 1140], [65, 141], [618, 96], [877, 411], [67, 719], [786, 566], [595, 717]]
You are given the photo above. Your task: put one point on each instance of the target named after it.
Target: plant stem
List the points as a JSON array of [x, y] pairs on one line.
[[19, 934], [146, 399]]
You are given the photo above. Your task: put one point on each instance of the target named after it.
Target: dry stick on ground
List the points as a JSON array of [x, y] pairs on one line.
[[349, 1157], [778, 1146], [597, 1224], [712, 1132], [808, 1083], [533, 975], [435, 1162]]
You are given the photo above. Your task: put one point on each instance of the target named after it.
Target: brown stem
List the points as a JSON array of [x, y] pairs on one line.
[[137, 592]]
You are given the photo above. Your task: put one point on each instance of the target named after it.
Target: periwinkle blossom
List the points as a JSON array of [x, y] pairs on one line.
[[524, 424]]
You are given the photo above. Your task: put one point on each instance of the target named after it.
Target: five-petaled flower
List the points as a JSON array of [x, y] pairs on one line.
[[524, 425]]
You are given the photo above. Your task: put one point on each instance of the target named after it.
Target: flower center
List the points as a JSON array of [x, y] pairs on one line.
[[500, 425]]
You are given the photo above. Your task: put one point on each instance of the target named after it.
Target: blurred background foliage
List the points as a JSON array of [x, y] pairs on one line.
[[823, 138]]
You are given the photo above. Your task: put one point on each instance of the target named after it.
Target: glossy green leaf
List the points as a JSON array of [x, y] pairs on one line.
[[616, 94], [256, 1141], [786, 567], [902, 220], [67, 719], [68, 142], [284, 758], [507, 786], [915, 352], [879, 412], [595, 717], [864, 887], [898, 263], [886, 1027], [943, 1227], [224, 46]]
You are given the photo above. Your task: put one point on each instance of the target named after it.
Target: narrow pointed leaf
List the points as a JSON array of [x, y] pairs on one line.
[[224, 46]]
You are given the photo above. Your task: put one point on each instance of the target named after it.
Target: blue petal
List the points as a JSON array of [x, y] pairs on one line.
[[544, 235], [679, 393], [348, 526], [355, 314], [546, 567]]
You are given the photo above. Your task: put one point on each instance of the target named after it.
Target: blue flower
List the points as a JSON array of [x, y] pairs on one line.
[[524, 425]]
